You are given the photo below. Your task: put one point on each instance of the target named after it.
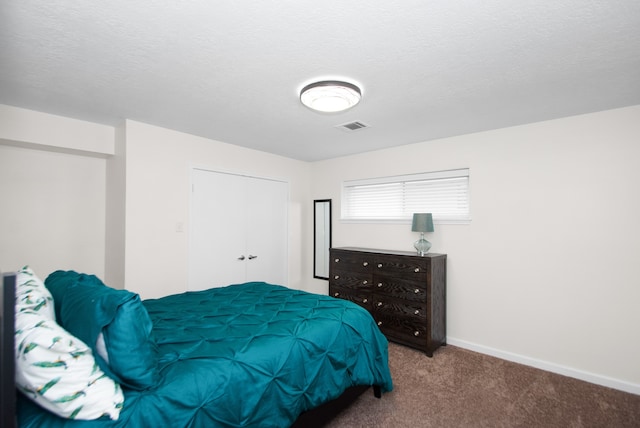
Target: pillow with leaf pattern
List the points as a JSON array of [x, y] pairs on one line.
[[32, 295], [58, 371]]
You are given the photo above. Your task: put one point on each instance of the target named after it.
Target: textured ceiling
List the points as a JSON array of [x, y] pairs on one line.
[[231, 70]]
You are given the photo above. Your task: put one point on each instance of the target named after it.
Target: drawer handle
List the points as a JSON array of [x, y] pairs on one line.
[[379, 323], [365, 282], [379, 285], [365, 300], [365, 264], [337, 260], [416, 333], [379, 304], [336, 277], [336, 294], [379, 265], [417, 312], [416, 270], [417, 290]]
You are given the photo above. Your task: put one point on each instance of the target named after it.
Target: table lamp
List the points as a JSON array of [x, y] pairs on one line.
[[422, 222]]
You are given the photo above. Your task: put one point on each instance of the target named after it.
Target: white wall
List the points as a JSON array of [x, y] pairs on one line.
[[158, 163], [546, 273], [52, 181], [52, 211], [115, 222], [56, 133]]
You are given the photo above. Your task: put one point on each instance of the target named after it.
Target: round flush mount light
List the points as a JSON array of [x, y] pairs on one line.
[[330, 96]]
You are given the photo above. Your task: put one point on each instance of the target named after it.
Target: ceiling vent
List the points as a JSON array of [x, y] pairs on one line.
[[352, 126]]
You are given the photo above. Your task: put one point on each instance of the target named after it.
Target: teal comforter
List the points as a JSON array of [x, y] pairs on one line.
[[245, 355]]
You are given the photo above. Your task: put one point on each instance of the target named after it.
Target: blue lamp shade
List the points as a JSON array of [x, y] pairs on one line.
[[422, 222]]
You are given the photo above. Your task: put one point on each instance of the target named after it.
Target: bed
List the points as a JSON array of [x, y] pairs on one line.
[[252, 354]]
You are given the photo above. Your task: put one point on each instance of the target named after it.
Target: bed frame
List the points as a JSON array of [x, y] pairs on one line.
[[7, 361], [317, 417]]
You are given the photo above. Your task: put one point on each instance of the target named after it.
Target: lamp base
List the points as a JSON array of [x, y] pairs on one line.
[[422, 246]]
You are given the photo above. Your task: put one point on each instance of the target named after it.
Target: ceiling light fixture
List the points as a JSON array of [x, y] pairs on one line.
[[330, 96]]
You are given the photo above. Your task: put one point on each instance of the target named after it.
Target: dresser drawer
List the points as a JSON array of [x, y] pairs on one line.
[[405, 329], [362, 298], [351, 280], [412, 268], [385, 305], [400, 289], [349, 261]]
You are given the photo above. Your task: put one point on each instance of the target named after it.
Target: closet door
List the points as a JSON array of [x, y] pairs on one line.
[[216, 230], [266, 226], [238, 230]]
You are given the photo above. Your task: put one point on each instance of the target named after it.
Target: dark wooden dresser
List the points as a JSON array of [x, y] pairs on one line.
[[405, 293]]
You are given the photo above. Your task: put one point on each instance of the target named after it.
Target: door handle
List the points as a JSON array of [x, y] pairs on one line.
[[241, 257], [251, 257]]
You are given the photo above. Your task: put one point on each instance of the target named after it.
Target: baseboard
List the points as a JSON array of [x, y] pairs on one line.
[[609, 382]]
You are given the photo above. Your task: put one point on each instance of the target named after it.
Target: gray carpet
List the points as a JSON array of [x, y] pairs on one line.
[[461, 388]]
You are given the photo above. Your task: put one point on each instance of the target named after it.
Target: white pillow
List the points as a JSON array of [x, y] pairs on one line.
[[58, 371], [32, 295]]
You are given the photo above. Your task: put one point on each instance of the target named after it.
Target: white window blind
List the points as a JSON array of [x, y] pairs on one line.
[[445, 194]]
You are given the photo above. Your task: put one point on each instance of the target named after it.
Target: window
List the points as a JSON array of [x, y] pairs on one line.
[[445, 194]]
